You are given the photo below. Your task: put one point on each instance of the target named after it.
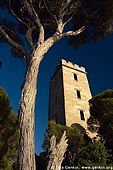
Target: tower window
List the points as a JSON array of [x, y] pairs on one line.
[[78, 94], [82, 115], [75, 77]]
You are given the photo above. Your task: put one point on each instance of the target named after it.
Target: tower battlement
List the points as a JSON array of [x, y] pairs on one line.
[[73, 66], [69, 96]]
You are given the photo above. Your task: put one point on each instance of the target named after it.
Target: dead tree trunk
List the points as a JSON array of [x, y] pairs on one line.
[[57, 152]]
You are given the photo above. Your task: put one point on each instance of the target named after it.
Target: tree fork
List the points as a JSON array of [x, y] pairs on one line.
[[26, 156]]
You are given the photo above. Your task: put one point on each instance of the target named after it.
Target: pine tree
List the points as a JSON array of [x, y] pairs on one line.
[[8, 133], [39, 24]]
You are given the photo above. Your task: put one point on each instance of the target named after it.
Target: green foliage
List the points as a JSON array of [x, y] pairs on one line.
[[4, 103], [94, 154], [75, 140], [96, 16], [8, 133], [81, 151], [73, 135], [101, 110]]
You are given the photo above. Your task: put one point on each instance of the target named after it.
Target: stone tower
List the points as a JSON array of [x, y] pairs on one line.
[[69, 96]]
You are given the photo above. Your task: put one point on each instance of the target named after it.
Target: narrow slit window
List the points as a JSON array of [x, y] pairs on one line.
[[75, 77], [78, 94], [82, 115]]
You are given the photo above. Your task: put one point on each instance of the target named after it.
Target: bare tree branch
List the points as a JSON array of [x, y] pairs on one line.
[[60, 27], [16, 45], [59, 35], [71, 17], [49, 11], [29, 37], [37, 20], [63, 8], [73, 33], [14, 14], [29, 31], [32, 11]]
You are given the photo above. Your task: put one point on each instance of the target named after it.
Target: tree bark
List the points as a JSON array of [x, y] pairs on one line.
[[57, 152], [26, 156], [26, 119]]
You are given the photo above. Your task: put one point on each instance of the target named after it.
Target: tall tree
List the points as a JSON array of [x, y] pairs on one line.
[[101, 110], [38, 24], [93, 154], [8, 133]]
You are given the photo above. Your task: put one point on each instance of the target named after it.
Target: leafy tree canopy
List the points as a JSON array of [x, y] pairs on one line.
[[58, 130], [80, 152], [75, 140], [8, 133], [101, 110], [94, 154], [95, 16]]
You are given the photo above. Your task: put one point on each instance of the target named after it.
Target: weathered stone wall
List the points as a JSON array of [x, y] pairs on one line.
[[65, 105], [56, 100], [73, 104]]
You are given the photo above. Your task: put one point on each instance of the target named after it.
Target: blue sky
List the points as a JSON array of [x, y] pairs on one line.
[[97, 58]]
